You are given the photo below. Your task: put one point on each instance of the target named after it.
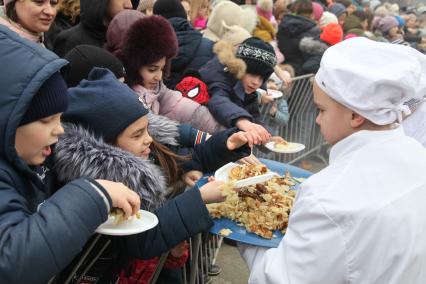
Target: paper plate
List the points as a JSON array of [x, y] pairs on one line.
[[291, 147], [239, 233], [273, 93], [132, 226], [222, 174]]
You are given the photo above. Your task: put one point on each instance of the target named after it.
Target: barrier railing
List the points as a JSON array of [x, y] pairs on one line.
[[301, 127]]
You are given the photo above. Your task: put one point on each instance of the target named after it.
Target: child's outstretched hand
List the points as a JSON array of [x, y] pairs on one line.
[[122, 197], [250, 160], [211, 192], [240, 138], [191, 177]]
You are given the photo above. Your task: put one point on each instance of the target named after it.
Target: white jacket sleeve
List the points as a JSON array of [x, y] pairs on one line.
[[312, 251]]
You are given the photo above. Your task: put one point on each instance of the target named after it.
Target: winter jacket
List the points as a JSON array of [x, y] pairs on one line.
[[173, 105], [290, 32], [228, 100], [60, 24], [264, 29], [91, 29], [313, 49], [194, 50], [41, 229]]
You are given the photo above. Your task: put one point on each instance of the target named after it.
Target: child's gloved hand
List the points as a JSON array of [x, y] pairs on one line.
[[122, 197], [211, 192], [191, 177], [241, 138]]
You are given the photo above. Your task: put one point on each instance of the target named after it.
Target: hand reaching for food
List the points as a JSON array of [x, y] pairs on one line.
[[122, 197], [191, 177]]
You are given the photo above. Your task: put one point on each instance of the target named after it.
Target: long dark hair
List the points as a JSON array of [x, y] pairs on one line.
[[169, 163]]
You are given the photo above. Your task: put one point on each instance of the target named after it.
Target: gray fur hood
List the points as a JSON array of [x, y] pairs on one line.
[[79, 153], [312, 46]]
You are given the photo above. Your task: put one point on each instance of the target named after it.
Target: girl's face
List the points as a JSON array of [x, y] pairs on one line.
[[136, 139], [36, 15], [152, 74], [251, 82], [204, 10], [33, 140]]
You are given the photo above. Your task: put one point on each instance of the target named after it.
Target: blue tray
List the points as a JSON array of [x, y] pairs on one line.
[[239, 233]]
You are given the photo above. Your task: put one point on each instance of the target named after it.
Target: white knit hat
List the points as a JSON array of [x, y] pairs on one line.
[[374, 79], [327, 18]]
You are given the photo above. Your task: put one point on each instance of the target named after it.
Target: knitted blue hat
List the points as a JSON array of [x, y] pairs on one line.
[[103, 105], [51, 98], [337, 9]]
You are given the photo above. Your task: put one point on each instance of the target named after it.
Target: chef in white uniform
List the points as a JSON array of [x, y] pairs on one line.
[[363, 218]]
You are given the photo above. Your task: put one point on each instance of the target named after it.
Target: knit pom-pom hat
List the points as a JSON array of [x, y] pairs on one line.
[[147, 41]]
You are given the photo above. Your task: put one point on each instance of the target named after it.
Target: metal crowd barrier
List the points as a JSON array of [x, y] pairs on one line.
[[203, 251], [301, 127]]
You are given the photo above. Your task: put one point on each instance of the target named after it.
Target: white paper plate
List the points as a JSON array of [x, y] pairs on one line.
[[130, 227], [222, 174], [273, 93], [291, 148]]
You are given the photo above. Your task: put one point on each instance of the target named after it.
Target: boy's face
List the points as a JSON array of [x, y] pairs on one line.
[[251, 82], [135, 138], [33, 140], [334, 119]]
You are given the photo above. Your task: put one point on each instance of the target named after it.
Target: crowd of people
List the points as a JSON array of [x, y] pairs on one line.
[[127, 104]]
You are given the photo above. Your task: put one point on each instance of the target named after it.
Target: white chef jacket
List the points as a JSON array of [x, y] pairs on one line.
[[360, 220]]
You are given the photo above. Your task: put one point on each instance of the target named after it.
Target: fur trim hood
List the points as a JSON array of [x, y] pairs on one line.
[[312, 46], [163, 129], [226, 55], [79, 153]]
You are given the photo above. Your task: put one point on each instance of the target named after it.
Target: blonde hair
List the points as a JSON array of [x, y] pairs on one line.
[[197, 5], [70, 8]]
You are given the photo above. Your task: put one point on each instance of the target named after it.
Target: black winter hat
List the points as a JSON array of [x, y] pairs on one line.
[[83, 58], [259, 57], [169, 9], [51, 98], [103, 105]]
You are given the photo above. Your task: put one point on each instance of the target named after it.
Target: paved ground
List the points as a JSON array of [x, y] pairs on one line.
[[234, 269]]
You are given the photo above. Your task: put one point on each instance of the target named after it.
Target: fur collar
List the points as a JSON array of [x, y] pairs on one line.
[[163, 129], [312, 46], [226, 55], [80, 154]]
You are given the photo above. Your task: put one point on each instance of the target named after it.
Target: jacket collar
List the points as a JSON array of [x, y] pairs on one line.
[[239, 90], [361, 139]]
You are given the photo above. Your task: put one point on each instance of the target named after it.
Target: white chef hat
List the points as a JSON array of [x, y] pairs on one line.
[[374, 79]]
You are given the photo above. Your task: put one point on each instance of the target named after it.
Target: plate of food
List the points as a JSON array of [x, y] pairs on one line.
[[242, 218], [117, 226], [275, 94], [243, 175], [285, 147]]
